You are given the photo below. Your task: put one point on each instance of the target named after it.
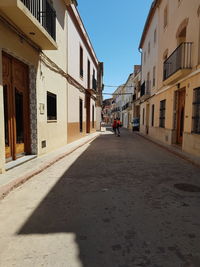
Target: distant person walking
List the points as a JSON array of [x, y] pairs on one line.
[[119, 124], [114, 126]]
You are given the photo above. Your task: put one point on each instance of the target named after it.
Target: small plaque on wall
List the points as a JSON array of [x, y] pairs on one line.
[[41, 108]]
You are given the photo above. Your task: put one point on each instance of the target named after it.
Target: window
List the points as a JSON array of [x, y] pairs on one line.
[[92, 116], [81, 62], [94, 81], [148, 86], [162, 113], [196, 111], [88, 72], [165, 17], [149, 47], [155, 36], [51, 106], [165, 56], [143, 117], [144, 57], [81, 115], [152, 115], [154, 76]]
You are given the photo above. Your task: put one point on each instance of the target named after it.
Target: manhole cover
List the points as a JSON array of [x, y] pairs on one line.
[[187, 187]]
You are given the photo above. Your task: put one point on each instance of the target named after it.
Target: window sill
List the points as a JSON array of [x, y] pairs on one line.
[[51, 121]]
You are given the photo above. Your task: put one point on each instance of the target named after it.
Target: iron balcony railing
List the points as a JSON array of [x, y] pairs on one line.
[[181, 58], [43, 11], [145, 88]]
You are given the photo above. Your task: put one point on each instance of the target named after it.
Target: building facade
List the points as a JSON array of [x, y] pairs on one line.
[[41, 87], [107, 111], [117, 103], [127, 97], [82, 69], [171, 111]]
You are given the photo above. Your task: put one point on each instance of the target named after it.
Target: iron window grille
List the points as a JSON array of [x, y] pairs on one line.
[[162, 113], [152, 115], [51, 106], [81, 62], [196, 111]]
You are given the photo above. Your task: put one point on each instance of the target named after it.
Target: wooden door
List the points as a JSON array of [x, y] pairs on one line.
[[16, 107], [180, 116], [21, 110]]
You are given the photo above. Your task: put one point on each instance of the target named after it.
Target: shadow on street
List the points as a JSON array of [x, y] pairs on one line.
[[114, 200]]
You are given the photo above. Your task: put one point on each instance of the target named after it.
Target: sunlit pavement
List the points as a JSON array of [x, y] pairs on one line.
[[111, 203]]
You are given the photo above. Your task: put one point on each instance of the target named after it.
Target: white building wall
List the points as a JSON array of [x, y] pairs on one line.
[[74, 43], [49, 80], [152, 57]]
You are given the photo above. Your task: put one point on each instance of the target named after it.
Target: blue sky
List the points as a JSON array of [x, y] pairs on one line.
[[115, 29]]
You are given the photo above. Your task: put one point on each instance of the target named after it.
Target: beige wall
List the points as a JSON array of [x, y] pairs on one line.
[[13, 45], [177, 13]]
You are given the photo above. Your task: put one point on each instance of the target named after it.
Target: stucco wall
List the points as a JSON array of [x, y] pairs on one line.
[[177, 12], [20, 49], [152, 57], [74, 43]]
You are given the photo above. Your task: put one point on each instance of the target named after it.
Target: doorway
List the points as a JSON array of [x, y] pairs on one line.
[[87, 113], [16, 108], [180, 116]]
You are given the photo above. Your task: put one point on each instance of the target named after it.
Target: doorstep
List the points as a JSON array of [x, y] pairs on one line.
[[14, 163], [14, 177]]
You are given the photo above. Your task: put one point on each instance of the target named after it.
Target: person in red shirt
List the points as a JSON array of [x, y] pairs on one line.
[[118, 126], [114, 126]]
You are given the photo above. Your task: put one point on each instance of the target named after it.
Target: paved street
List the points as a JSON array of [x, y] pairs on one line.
[[111, 203]]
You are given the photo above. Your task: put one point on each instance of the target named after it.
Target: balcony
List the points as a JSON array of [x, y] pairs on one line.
[[94, 84], [145, 90], [93, 90], [35, 18], [178, 64]]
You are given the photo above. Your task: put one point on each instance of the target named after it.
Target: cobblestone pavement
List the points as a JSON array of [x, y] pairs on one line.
[[111, 203]]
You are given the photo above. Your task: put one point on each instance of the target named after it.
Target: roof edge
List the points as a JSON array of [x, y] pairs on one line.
[[152, 10]]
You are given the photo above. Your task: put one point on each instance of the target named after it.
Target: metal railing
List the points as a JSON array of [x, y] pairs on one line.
[[145, 88], [181, 58], [43, 11]]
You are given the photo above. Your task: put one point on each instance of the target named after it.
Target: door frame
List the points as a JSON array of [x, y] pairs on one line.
[[88, 98], [11, 82]]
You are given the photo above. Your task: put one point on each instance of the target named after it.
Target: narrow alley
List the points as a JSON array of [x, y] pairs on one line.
[[110, 203]]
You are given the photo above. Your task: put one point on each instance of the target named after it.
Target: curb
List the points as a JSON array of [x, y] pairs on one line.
[[6, 189], [193, 162]]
